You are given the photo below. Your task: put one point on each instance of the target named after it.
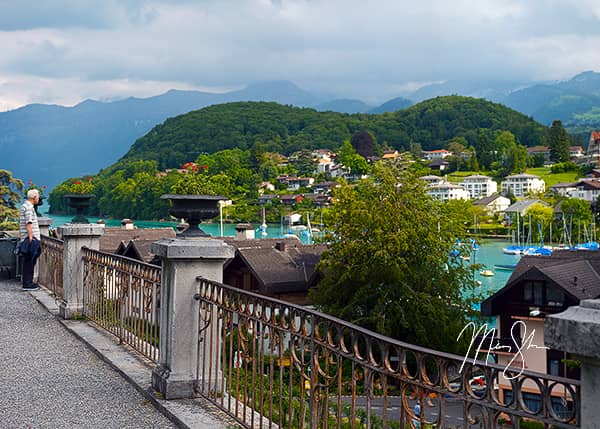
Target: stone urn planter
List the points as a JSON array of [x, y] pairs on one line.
[[194, 209], [79, 202], [40, 203]]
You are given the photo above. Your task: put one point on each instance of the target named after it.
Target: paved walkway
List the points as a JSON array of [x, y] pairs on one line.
[[50, 379]]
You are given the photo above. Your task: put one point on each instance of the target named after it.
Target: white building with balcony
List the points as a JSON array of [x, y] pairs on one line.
[[447, 191], [435, 154], [432, 179], [521, 184], [479, 186]]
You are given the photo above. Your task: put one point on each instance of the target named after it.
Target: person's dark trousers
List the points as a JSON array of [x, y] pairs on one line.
[[28, 266]]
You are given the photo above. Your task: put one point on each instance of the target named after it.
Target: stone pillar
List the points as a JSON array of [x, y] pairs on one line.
[[75, 236], [44, 224], [183, 260], [577, 331]]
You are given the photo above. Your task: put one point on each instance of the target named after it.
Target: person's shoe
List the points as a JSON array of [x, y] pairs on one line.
[[32, 286]]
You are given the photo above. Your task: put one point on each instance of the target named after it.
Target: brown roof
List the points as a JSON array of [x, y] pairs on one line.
[[588, 184], [577, 272], [279, 271], [142, 250], [112, 237], [486, 200]]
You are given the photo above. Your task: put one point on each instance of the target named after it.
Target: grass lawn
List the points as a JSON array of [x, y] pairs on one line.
[[543, 172], [553, 179]]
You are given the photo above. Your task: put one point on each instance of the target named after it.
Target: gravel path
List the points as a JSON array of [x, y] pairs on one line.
[[51, 380]]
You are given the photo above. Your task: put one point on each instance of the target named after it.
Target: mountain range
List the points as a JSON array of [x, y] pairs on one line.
[[49, 143]]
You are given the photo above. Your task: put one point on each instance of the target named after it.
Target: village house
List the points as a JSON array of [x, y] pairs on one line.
[[281, 268], [295, 183], [337, 171], [290, 200], [520, 208], [576, 152], [430, 155], [390, 155], [479, 186], [118, 239], [543, 151], [592, 153], [325, 187], [493, 204], [324, 154], [324, 165], [447, 191], [587, 190], [267, 198], [564, 189], [265, 186], [432, 179], [593, 148], [540, 286], [520, 185], [439, 165]]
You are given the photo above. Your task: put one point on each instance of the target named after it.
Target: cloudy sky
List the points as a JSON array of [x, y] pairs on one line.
[[64, 51]]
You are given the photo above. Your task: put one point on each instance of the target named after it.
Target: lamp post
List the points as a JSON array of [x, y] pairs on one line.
[[222, 203]]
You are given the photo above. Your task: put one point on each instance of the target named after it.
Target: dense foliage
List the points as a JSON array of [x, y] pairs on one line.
[[244, 143], [286, 129], [388, 268], [11, 193]]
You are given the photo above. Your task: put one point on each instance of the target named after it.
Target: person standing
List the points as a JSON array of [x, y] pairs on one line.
[[29, 232]]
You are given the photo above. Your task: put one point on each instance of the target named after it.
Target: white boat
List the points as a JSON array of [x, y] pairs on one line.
[[486, 273]]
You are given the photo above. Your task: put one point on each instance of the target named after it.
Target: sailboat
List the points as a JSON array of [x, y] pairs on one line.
[[263, 227], [515, 249]]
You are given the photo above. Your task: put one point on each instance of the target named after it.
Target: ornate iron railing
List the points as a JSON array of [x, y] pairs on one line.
[[122, 295], [270, 364], [50, 268]]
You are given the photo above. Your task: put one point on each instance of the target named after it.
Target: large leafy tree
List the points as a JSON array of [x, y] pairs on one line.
[[559, 142], [11, 193], [388, 268]]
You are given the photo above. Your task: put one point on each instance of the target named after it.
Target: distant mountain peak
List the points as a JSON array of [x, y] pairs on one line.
[[586, 75]]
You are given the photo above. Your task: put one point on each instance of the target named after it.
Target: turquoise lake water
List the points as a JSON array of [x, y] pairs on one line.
[[489, 253]]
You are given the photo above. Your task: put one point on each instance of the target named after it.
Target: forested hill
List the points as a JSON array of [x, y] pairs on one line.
[[285, 129]]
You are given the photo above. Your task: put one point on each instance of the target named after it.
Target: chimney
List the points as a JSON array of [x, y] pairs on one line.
[[280, 245], [127, 224], [244, 231]]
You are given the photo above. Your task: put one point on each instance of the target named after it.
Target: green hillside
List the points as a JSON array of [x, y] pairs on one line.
[[286, 129]]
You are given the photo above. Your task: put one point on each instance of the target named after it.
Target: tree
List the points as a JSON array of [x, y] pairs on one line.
[[457, 147], [305, 163], [352, 160], [11, 193], [387, 266], [363, 143], [559, 142]]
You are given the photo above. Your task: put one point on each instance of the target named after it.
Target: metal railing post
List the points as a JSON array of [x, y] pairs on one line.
[[183, 260]]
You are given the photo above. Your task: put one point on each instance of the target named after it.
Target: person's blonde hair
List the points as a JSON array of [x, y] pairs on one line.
[[32, 193]]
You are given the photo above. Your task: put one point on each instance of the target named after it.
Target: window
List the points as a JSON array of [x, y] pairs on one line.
[[554, 296], [533, 292]]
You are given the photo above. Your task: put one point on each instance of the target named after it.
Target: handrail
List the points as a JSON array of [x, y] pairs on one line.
[[263, 358]]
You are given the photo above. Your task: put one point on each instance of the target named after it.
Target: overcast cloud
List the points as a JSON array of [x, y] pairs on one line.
[[63, 51]]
